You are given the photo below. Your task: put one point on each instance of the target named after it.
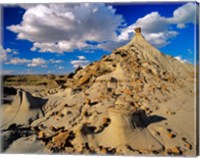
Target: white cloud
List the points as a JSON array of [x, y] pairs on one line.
[[18, 61], [55, 61], [179, 58], [37, 62], [3, 54], [6, 53], [181, 26], [65, 27], [80, 62], [72, 25], [81, 57], [15, 52], [185, 13], [8, 50]]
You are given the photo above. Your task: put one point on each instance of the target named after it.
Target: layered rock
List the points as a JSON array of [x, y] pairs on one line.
[[24, 109], [107, 106], [127, 128]]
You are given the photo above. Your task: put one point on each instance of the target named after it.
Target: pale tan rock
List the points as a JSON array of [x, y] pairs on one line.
[[102, 103], [121, 131], [41, 135], [60, 139]]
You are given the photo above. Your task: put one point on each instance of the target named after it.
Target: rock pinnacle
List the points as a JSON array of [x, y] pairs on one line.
[[138, 31]]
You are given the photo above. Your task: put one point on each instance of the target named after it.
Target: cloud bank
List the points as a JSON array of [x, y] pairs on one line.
[[35, 62], [66, 27]]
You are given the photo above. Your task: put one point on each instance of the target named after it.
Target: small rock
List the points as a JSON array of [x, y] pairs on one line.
[[60, 114], [184, 139], [175, 150], [170, 112], [127, 91], [170, 135], [40, 134], [105, 120], [189, 146], [157, 133], [155, 108], [52, 128], [60, 139], [87, 100], [103, 151]]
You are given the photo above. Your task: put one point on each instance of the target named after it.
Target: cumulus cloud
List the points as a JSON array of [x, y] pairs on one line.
[[3, 55], [18, 61], [81, 57], [6, 53], [55, 61], [185, 14], [15, 52], [80, 62], [179, 58], [156, 28], [37, 62], [65, 27]]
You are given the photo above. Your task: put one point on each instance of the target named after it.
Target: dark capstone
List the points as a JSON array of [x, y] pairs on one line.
[[138, 30]]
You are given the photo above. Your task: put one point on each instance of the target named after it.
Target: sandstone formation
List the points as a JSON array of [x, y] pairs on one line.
[[135, 101]]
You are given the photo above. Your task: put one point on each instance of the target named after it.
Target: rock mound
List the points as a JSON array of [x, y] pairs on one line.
[[23, 110], [127, 128], [107, 107]]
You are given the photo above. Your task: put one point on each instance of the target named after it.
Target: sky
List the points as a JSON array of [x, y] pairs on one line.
[[58, 38]]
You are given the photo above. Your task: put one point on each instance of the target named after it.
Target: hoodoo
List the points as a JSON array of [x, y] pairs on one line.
[[127, 128]]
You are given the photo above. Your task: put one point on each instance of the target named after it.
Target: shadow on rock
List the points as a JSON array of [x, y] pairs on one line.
[[154, 119]]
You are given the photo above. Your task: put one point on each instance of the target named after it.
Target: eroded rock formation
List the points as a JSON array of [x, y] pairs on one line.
[[117, 105]]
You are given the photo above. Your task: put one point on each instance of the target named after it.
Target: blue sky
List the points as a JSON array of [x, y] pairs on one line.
[[57, 38]]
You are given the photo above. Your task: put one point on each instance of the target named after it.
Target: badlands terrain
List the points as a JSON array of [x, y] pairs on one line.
[[135, 101]]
